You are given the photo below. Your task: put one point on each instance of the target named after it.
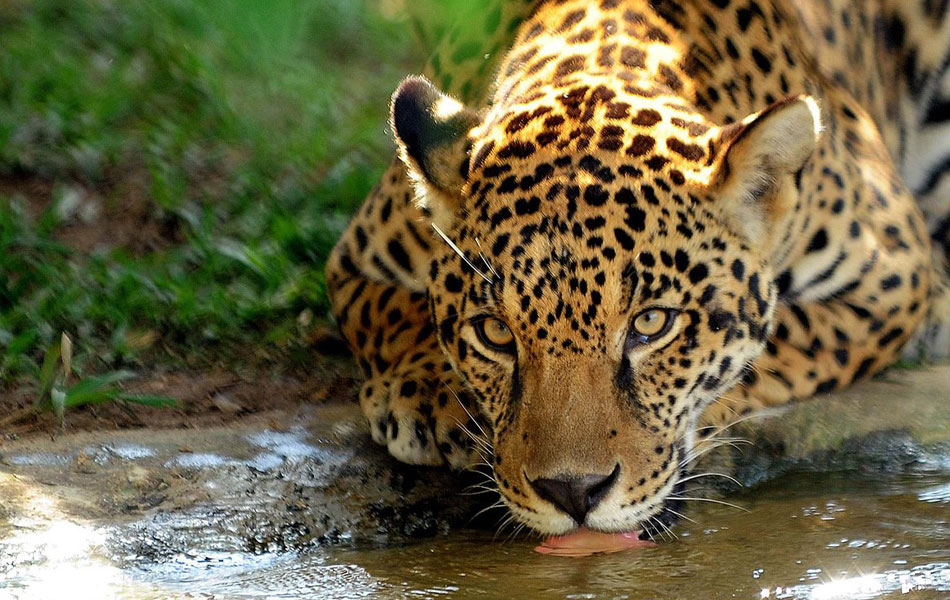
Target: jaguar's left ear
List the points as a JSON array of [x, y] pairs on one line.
[[754, 182], [432, 132]]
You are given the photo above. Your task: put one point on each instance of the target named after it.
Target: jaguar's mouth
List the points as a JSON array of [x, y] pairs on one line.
[[586, 542]]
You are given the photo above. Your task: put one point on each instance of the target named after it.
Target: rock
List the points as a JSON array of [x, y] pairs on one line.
[[899, 419], [251, 487], [225, 404]]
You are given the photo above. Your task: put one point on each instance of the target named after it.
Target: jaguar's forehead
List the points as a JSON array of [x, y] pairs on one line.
[[590, 161], [583, 209], [570, 276], [585, 137]]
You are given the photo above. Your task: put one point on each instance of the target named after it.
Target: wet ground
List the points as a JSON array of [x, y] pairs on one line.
[[860, 537], [850, 498]]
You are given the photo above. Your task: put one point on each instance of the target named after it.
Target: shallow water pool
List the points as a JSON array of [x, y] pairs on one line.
[[804, 537]]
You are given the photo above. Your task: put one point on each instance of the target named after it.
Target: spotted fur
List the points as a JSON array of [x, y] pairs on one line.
[[612, 157]]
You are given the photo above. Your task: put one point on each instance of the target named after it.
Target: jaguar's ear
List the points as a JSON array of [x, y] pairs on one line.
[[760, 157], [432, 132]]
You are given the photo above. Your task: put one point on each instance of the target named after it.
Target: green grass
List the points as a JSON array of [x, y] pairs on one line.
[[251, 128], [58, 394]]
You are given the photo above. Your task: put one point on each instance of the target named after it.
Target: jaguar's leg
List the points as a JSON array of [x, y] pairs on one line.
[[932, 339], [412, 399], [421, 412], [376, 275], [409, 397], [916, 66]]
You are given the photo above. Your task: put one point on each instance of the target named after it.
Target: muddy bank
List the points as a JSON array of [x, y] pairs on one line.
[[273, 483]]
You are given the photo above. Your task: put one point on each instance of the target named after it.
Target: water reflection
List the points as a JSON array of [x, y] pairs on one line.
[[940, 493], [807, 538], [934, 578]]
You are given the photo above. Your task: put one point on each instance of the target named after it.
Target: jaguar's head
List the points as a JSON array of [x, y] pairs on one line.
[[597, 291]]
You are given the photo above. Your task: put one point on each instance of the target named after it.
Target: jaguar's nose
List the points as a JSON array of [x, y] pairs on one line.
[[576, 495]]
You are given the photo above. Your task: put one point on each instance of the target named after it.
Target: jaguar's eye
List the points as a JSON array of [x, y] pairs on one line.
[[650, 325], [495, 334]]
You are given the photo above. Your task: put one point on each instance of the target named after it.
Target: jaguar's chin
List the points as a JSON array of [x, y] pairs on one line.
[[609, 534]]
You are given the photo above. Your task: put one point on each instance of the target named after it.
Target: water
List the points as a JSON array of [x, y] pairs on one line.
[[806, 537]]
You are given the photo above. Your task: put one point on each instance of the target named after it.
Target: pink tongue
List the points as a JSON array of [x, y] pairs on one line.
[[585, 542]]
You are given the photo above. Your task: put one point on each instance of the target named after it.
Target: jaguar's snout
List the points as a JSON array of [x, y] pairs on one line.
[[576, 495]]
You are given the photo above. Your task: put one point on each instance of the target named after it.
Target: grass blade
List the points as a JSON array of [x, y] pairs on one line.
[[58, 399], [48, 373]]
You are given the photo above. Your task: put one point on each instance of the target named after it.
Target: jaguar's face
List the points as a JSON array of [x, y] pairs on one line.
[[596, 297], [593, 324]]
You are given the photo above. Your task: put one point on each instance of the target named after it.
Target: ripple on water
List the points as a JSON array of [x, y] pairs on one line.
[[200, 460], [887, 537], [277, 449], [937, 494], [809, 537], [924, 578]]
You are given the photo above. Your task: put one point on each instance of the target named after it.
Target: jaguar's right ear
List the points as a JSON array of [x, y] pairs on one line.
[[432, 132]]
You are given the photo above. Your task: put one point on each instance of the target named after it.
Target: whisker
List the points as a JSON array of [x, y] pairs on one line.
[[482, 445], [668, 530], [741, 419], [483, 450], [723, 475], [650, 533], [755, 368], [496, 504], [729, 504], [664, 531], [487, 480], [485, 487], [500, 503], [710, 442], [478, 490], [723, 400], [461, 254], [491, 270], [679, 514], [503, 524], [515, 533], [696, 455], [470, 416], [656, 526], [469, 433], [709, 447]]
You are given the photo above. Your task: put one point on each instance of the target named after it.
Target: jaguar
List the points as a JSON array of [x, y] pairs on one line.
[[614, 227]]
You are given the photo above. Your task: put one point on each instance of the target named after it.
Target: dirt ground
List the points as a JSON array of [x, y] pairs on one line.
[[207, 398]]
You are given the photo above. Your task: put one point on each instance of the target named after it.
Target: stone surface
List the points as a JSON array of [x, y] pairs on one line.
[[270, 485], [899, 419]]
